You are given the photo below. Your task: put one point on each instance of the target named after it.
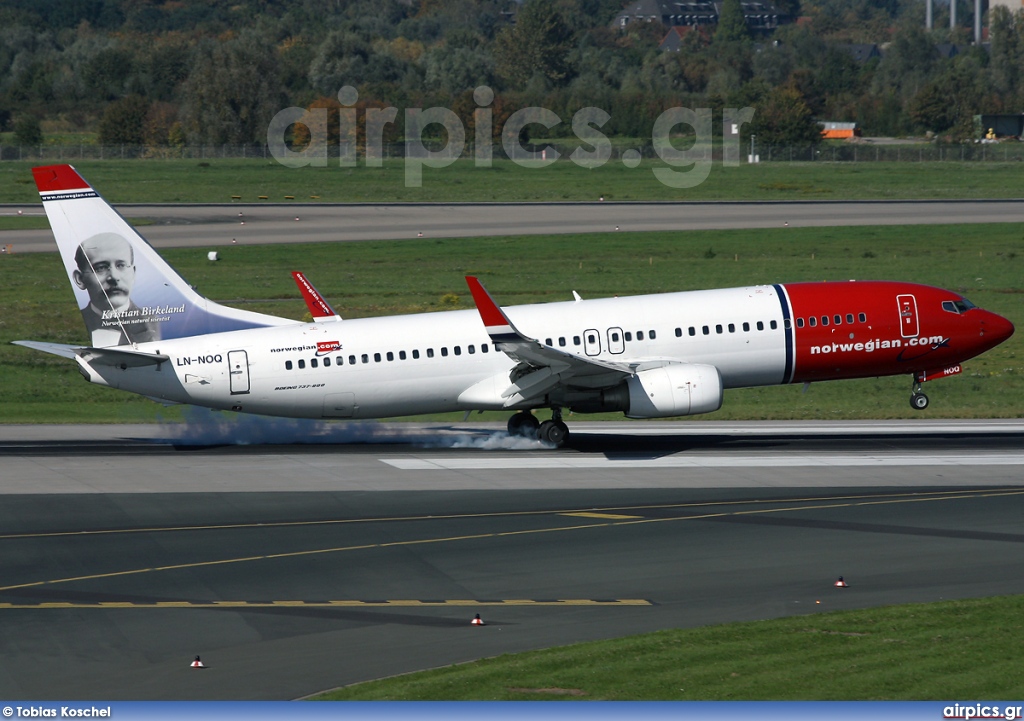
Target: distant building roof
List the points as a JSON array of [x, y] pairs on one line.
[[861, 52], [760, 15], [674, 38], [838, 130]]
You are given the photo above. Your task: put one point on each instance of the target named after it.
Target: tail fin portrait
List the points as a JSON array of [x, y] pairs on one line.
[[127, 293]]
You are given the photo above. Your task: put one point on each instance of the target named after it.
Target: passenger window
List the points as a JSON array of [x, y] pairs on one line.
[[391, 356], [351, 360], [485, 348], [615, 337], [430, 352], [862, 318], [732, 327], [787, 323], [547, 341], [679, 332], [366, 358], [561, 342], [774, 325], [444, 352], [639, 335], [628, 336], [849, 318], [575, 340], [313, 363], [327, 362], [799, 322], [718, 329], [838, 319], [458, 350], [401, 355], [287, 365], [824, 320], [746, 327], [302, 364], [812, 321], [692, 330], [652, 335], [760, 325], [471, 349], [706, 330], [415, 355], [376, 357]]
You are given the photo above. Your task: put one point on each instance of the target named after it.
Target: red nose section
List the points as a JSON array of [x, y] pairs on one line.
[[995, 329]]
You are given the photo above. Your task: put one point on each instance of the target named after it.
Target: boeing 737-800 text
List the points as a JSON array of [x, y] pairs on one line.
[[650, 356]]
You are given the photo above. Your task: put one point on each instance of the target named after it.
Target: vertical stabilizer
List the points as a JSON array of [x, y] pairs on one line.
[[127, 293]]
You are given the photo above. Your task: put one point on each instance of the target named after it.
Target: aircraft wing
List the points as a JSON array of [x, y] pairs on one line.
[[541, 367]]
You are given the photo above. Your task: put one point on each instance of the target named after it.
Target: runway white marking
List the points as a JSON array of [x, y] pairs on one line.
[[678, 461]]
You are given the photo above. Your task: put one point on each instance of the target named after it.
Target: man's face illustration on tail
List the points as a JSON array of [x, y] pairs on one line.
[[106, 269]]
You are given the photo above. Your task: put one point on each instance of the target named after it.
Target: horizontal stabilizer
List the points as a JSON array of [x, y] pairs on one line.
[[120, 357], [64, 351]]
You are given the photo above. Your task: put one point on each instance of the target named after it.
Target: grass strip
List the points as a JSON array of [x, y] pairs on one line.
[[221, 181], [947, 650]]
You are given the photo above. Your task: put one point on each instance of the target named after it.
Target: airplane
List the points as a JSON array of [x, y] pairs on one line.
[[647, 356]]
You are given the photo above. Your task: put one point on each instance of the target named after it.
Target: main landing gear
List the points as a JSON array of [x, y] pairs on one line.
[[918, 400], [526, 425]]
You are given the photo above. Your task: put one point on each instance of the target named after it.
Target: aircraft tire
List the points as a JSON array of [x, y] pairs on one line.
[[554, 432], [919, 401], [523, 424]]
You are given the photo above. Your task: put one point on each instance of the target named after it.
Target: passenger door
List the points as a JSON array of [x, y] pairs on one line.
[[907, 305]]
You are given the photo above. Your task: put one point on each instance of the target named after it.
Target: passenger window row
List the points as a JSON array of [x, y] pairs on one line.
[[836, 319], [389, 356], [730, 327], [577, 340]]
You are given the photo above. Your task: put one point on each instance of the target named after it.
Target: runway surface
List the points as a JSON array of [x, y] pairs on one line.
[[293, 568], [219, 225]]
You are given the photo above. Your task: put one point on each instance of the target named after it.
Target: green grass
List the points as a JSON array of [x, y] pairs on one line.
[[39, 222], [985, 262], [216, 181], [949, 650]]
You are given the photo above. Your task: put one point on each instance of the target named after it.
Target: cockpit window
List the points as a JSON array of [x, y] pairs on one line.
[[957, 306]]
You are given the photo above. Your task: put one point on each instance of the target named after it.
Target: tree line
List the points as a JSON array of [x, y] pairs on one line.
[[216, 71]]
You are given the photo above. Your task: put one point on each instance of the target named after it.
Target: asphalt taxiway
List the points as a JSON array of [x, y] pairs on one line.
[[212, 225], [290, 568]]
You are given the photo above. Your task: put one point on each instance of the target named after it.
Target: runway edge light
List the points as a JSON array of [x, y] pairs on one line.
[[198, 663], [841, 583], [477, 621]]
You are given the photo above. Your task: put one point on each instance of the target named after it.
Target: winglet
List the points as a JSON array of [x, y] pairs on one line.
[[318, 307], [498, 326]]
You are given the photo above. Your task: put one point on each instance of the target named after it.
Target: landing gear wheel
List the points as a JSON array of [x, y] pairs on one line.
[[554, 432], [523, 424], [919, 401]]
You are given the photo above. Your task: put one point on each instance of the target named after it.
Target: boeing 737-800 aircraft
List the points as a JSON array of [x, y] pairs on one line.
[[650, 356]]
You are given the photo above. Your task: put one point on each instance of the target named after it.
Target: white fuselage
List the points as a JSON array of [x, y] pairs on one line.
[[428, 363]]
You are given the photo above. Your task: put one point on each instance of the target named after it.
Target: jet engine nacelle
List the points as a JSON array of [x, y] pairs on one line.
[[680, 389]]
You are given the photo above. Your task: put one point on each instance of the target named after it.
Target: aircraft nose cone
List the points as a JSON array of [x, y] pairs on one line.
[[996, 327]]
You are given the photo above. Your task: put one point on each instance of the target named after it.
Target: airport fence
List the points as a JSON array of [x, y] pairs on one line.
[[1007, 151]]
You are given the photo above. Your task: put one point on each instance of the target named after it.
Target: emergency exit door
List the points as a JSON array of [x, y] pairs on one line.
[[238, 368]]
